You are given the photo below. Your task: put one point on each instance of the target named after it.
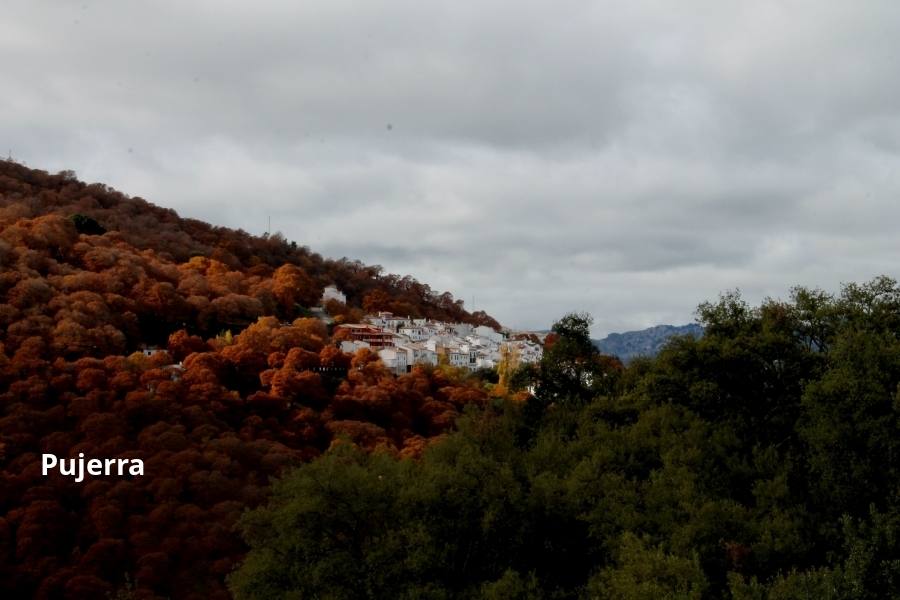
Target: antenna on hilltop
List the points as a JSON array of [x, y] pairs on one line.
[[269, 227]]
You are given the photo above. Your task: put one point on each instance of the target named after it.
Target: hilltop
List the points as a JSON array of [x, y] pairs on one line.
[[241, 263]]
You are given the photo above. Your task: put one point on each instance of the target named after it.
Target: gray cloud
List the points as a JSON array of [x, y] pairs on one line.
[[630, 159]]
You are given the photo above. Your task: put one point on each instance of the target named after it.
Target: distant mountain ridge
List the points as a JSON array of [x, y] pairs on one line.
[[645, 342]]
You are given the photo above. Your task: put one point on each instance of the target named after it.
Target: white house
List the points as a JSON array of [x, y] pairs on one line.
[[394, 359], [461, 356], [415, 333], [458, 357], [486, 332], [461, 329], [351, 346], [484, 362], [418, 354], [528, 352], [387, 321], [331, 292]]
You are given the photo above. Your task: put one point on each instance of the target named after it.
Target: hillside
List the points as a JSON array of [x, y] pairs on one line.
[[645, 342], [241, 263], [127, 331]]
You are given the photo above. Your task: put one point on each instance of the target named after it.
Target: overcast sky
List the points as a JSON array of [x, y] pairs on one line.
[[630, 159]]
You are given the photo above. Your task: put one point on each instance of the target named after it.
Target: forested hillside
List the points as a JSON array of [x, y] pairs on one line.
[[761, 461], [126, 331], [200, 276]]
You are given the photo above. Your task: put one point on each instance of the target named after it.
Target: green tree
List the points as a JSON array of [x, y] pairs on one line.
[[572, 369], [642, 572], [87, 225]]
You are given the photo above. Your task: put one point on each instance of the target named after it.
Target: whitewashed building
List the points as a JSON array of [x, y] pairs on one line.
[[461, 329], [351, 346], [418, 354], [486, 332], [527, 352], [395, 359], [388, 321], [414, 332], [331, 292]]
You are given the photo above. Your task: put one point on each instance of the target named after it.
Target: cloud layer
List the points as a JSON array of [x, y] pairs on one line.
[[628, 159]]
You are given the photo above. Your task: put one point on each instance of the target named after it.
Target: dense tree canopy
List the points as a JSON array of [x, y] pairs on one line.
[[758, 462]]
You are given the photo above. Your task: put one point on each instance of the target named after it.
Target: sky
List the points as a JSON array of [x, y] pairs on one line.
[[628, 159]]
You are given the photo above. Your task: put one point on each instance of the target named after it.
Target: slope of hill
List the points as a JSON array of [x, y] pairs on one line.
[[646, 342], [96, 209], [128, 332]]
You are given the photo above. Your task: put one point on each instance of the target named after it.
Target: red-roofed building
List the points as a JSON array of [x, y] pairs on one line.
[[375, 337]]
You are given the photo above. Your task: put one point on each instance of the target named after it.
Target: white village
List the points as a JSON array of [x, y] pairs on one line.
[[402, 342]]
